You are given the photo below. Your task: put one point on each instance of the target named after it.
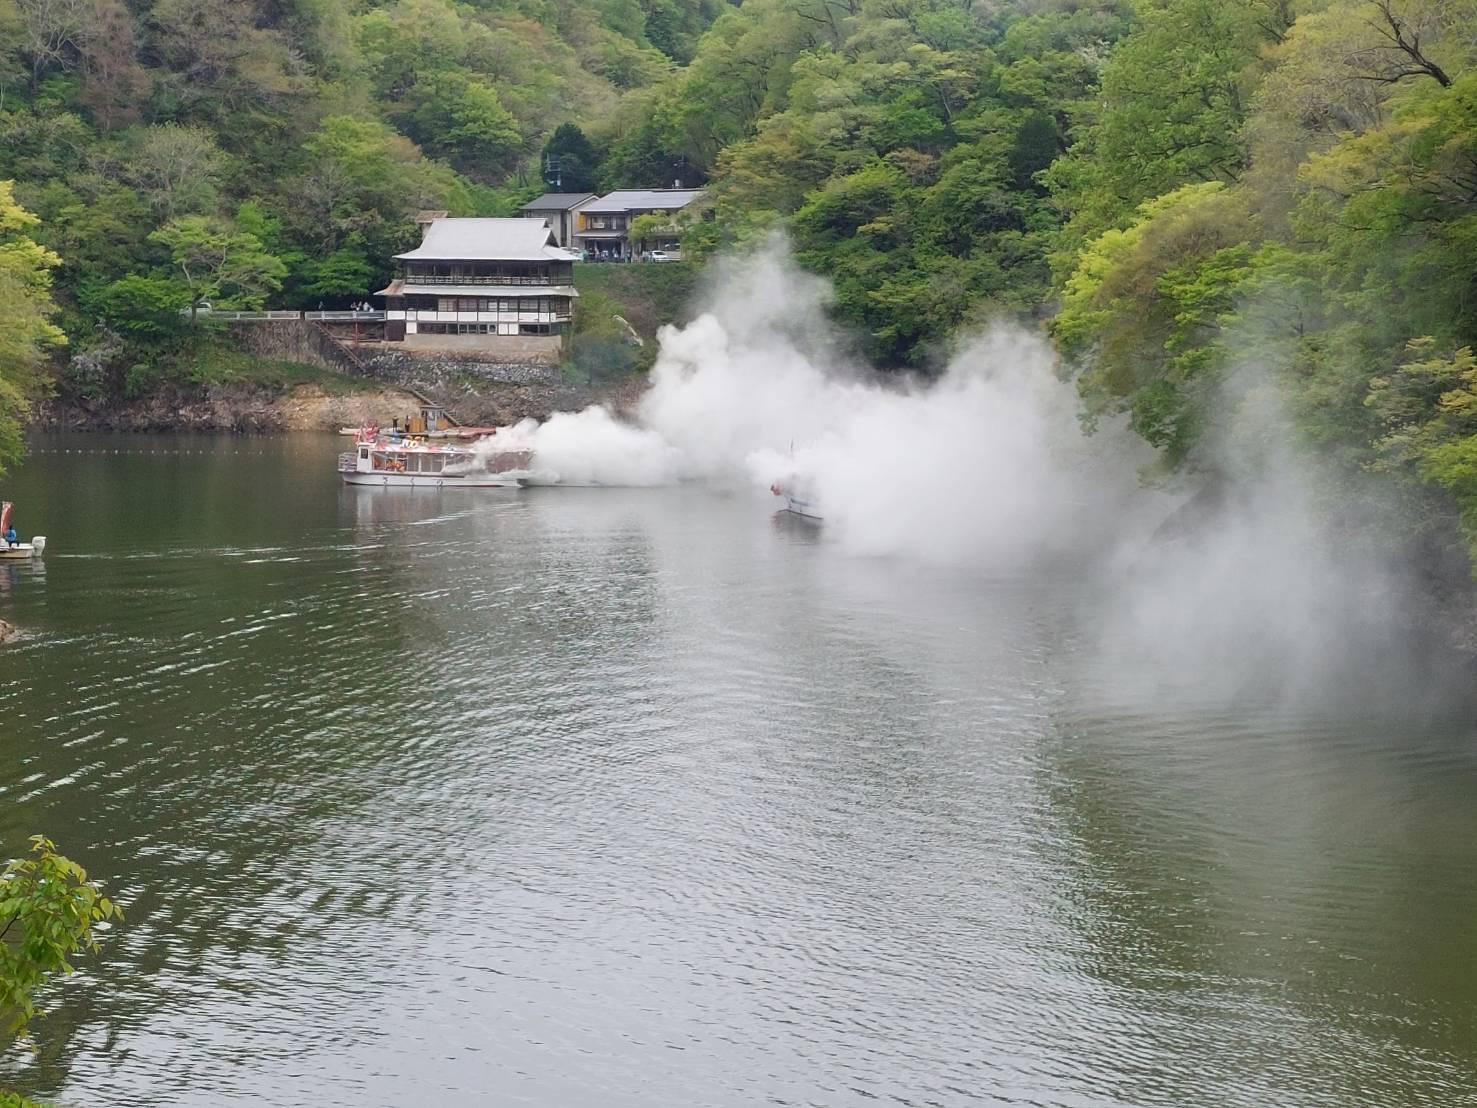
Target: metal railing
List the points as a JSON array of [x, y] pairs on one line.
[[249, 316], [267, 317]]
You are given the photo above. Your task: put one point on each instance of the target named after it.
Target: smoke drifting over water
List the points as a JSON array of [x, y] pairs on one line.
[[986, 467], [985, 463]]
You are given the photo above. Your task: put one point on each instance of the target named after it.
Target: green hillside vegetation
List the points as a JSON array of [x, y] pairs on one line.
[[1189, 194], [273, 152], [1211, 200], [1268, 195], [646, 297]]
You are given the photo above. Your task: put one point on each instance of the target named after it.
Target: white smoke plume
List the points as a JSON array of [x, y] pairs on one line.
[[985, 466], [986, 462], [592, 447]]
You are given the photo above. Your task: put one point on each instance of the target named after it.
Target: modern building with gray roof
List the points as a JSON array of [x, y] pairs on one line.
[[602, 229], [558, 208]]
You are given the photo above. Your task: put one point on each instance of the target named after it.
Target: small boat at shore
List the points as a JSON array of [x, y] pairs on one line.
[[16, 551], [23, 551]]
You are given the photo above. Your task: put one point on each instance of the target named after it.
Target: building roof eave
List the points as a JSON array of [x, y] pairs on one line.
[[512, 239], [561, 292], [557, 201]]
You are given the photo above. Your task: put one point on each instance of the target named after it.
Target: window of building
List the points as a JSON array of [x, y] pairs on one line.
[[458, 328]]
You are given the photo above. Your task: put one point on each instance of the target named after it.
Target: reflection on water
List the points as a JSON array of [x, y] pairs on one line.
[[597, 797]]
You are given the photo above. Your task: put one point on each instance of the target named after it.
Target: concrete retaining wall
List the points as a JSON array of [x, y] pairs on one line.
[[295, 340], [433, 360], [515, 349], [398, 366]]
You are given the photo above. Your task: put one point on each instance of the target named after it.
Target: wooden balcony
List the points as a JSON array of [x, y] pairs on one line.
[[437, 279]]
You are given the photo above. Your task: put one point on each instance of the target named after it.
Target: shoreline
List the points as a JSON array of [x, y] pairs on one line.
[[252, 407]]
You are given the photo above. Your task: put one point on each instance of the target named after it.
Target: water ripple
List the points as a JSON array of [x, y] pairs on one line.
[[629, 798]]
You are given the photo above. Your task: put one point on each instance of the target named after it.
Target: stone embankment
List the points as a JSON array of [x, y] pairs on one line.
[[475, 389], [310, 407], [231, 408], [364, 382]]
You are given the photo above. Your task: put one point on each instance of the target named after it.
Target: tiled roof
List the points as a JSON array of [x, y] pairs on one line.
[[461, 239], [644, 200], [557, 201], [404, 288]]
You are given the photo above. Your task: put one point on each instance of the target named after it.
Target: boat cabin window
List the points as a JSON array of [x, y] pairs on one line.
[[424, 463], [363, 453]]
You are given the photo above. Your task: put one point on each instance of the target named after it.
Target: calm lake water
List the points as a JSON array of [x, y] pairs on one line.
[[577, 797]]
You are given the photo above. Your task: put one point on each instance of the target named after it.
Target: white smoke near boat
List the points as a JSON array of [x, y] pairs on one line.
[[589, 447], [985, 466], [985, 461]]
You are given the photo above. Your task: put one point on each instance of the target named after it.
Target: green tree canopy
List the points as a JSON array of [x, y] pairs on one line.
[[569, 160], [48, 912], [220, 264], [27, 330]]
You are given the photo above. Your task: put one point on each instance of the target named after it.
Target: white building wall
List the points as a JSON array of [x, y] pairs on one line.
[[426, 316]]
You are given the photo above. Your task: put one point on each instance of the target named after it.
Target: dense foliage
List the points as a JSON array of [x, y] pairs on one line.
[[48, 910], [1196, 192], [250, 152], [1297, 212], [901, 142], [26, 328]]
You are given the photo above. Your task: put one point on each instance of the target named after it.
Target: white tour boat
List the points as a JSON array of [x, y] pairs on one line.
[[399, 461]]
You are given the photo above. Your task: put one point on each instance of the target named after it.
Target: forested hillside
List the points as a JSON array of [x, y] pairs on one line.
[[1182, 191], [1289, 202], [249, 151]]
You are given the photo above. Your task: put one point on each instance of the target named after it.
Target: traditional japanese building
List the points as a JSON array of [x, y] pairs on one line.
[[603, 226], [560, 209], [499, 287]]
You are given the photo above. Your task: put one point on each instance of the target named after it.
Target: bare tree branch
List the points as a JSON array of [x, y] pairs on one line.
[[1408, 41]]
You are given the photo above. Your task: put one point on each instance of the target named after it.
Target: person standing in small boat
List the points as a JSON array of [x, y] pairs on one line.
[[11, 538]]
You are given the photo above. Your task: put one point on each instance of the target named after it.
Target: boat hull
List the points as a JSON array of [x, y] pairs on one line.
[[432, 480], [18, 553], [799, 507]]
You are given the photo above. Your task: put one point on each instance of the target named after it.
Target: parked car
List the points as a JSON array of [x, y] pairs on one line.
[[657, 256]]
